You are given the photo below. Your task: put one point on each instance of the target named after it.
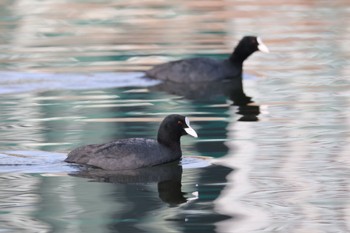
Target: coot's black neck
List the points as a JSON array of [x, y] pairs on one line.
[[240, 53], [169, 140]]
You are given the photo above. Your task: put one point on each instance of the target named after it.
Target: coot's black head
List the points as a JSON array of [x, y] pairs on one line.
[[246, 46], [173, 127]]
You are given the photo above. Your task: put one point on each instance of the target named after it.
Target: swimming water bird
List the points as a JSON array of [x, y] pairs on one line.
[[135, 153], [208, 69]]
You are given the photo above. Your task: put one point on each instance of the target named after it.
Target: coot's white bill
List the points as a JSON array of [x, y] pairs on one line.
[[189, 130], [261, 46]]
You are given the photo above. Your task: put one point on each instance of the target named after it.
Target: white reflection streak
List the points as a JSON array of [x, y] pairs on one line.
[[344, 154], [344, 159], [240, 157], [18, 201], [71, 209], [302, 186]]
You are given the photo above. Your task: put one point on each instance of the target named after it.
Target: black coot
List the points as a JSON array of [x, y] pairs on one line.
[[135, 153], [208, 69]]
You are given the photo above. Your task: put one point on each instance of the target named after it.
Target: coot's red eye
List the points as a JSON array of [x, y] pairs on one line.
[[180, 123]]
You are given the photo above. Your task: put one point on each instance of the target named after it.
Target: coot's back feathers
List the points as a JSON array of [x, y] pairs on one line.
[[123, 154], [189, 70]]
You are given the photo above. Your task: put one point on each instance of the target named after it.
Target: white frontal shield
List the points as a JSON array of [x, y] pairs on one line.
[[261, 46], [189, 130]]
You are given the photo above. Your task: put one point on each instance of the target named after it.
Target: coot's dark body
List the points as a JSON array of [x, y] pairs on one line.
[[135, 153], [208, 69], [124, 154]]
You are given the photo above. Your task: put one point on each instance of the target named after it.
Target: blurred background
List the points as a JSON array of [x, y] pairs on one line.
[[71, 74]]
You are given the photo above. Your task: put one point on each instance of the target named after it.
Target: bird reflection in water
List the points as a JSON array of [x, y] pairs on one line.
[[167, 176], [231, 88]]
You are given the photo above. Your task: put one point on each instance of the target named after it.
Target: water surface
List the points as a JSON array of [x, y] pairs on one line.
[[71, 74]]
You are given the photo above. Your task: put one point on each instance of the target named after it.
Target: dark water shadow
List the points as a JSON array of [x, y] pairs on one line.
[[232, 89], [167, 177], [211, 182], [207, 182]]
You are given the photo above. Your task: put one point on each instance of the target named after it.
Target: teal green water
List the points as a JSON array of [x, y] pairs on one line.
[[71, 74]]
